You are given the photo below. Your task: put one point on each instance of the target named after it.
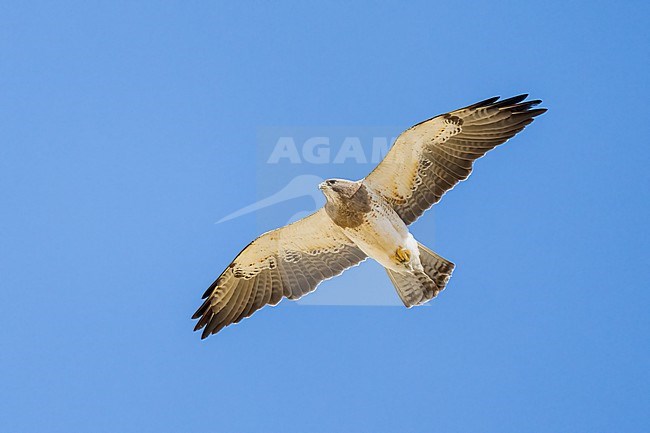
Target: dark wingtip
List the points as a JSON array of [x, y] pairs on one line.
[[484, 103], [201, 310], [520, 107], [524, 106], [510, 101], [210, 289], [536, 112]]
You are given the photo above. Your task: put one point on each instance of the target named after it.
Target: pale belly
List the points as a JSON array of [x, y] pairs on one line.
[[382, 235]]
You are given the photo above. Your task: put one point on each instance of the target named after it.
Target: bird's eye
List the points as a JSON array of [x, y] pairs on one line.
[[331, 182]]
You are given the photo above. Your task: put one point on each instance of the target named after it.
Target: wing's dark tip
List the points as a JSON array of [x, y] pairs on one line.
[[202, 309], [510, 101], [210, 289], [483, 103], [517, 105], [536, 112], [209, 329], [524, 106]]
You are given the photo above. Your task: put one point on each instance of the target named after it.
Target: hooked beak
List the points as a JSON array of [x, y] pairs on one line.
[[321, 186]]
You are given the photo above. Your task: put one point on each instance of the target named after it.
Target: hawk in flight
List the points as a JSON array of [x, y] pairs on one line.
[[369, 218]]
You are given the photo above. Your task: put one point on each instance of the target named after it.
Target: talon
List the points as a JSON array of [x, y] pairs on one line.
[[403, 255]]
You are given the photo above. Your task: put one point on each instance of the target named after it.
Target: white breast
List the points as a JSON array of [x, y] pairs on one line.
[[382, 233]]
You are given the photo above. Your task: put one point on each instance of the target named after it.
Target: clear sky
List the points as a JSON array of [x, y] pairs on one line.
[[127, 129]]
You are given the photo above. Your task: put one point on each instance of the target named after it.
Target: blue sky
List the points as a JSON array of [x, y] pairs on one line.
[[128, 128]]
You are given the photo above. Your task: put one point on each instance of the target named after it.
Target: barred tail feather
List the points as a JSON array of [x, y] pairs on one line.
[[419, 287]]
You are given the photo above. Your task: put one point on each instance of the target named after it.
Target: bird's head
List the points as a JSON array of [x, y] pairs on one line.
[[336, 190]]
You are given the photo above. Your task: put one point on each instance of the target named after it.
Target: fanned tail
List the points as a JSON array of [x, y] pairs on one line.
[[419, 287]]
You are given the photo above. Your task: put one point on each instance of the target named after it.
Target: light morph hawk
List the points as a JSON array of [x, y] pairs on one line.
[[368, 218]]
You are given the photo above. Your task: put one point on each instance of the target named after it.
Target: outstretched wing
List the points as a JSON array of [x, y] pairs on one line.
[[287, 262], [431, 157]]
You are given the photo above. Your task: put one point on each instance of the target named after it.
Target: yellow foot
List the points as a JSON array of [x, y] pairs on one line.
[[402, 255]]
